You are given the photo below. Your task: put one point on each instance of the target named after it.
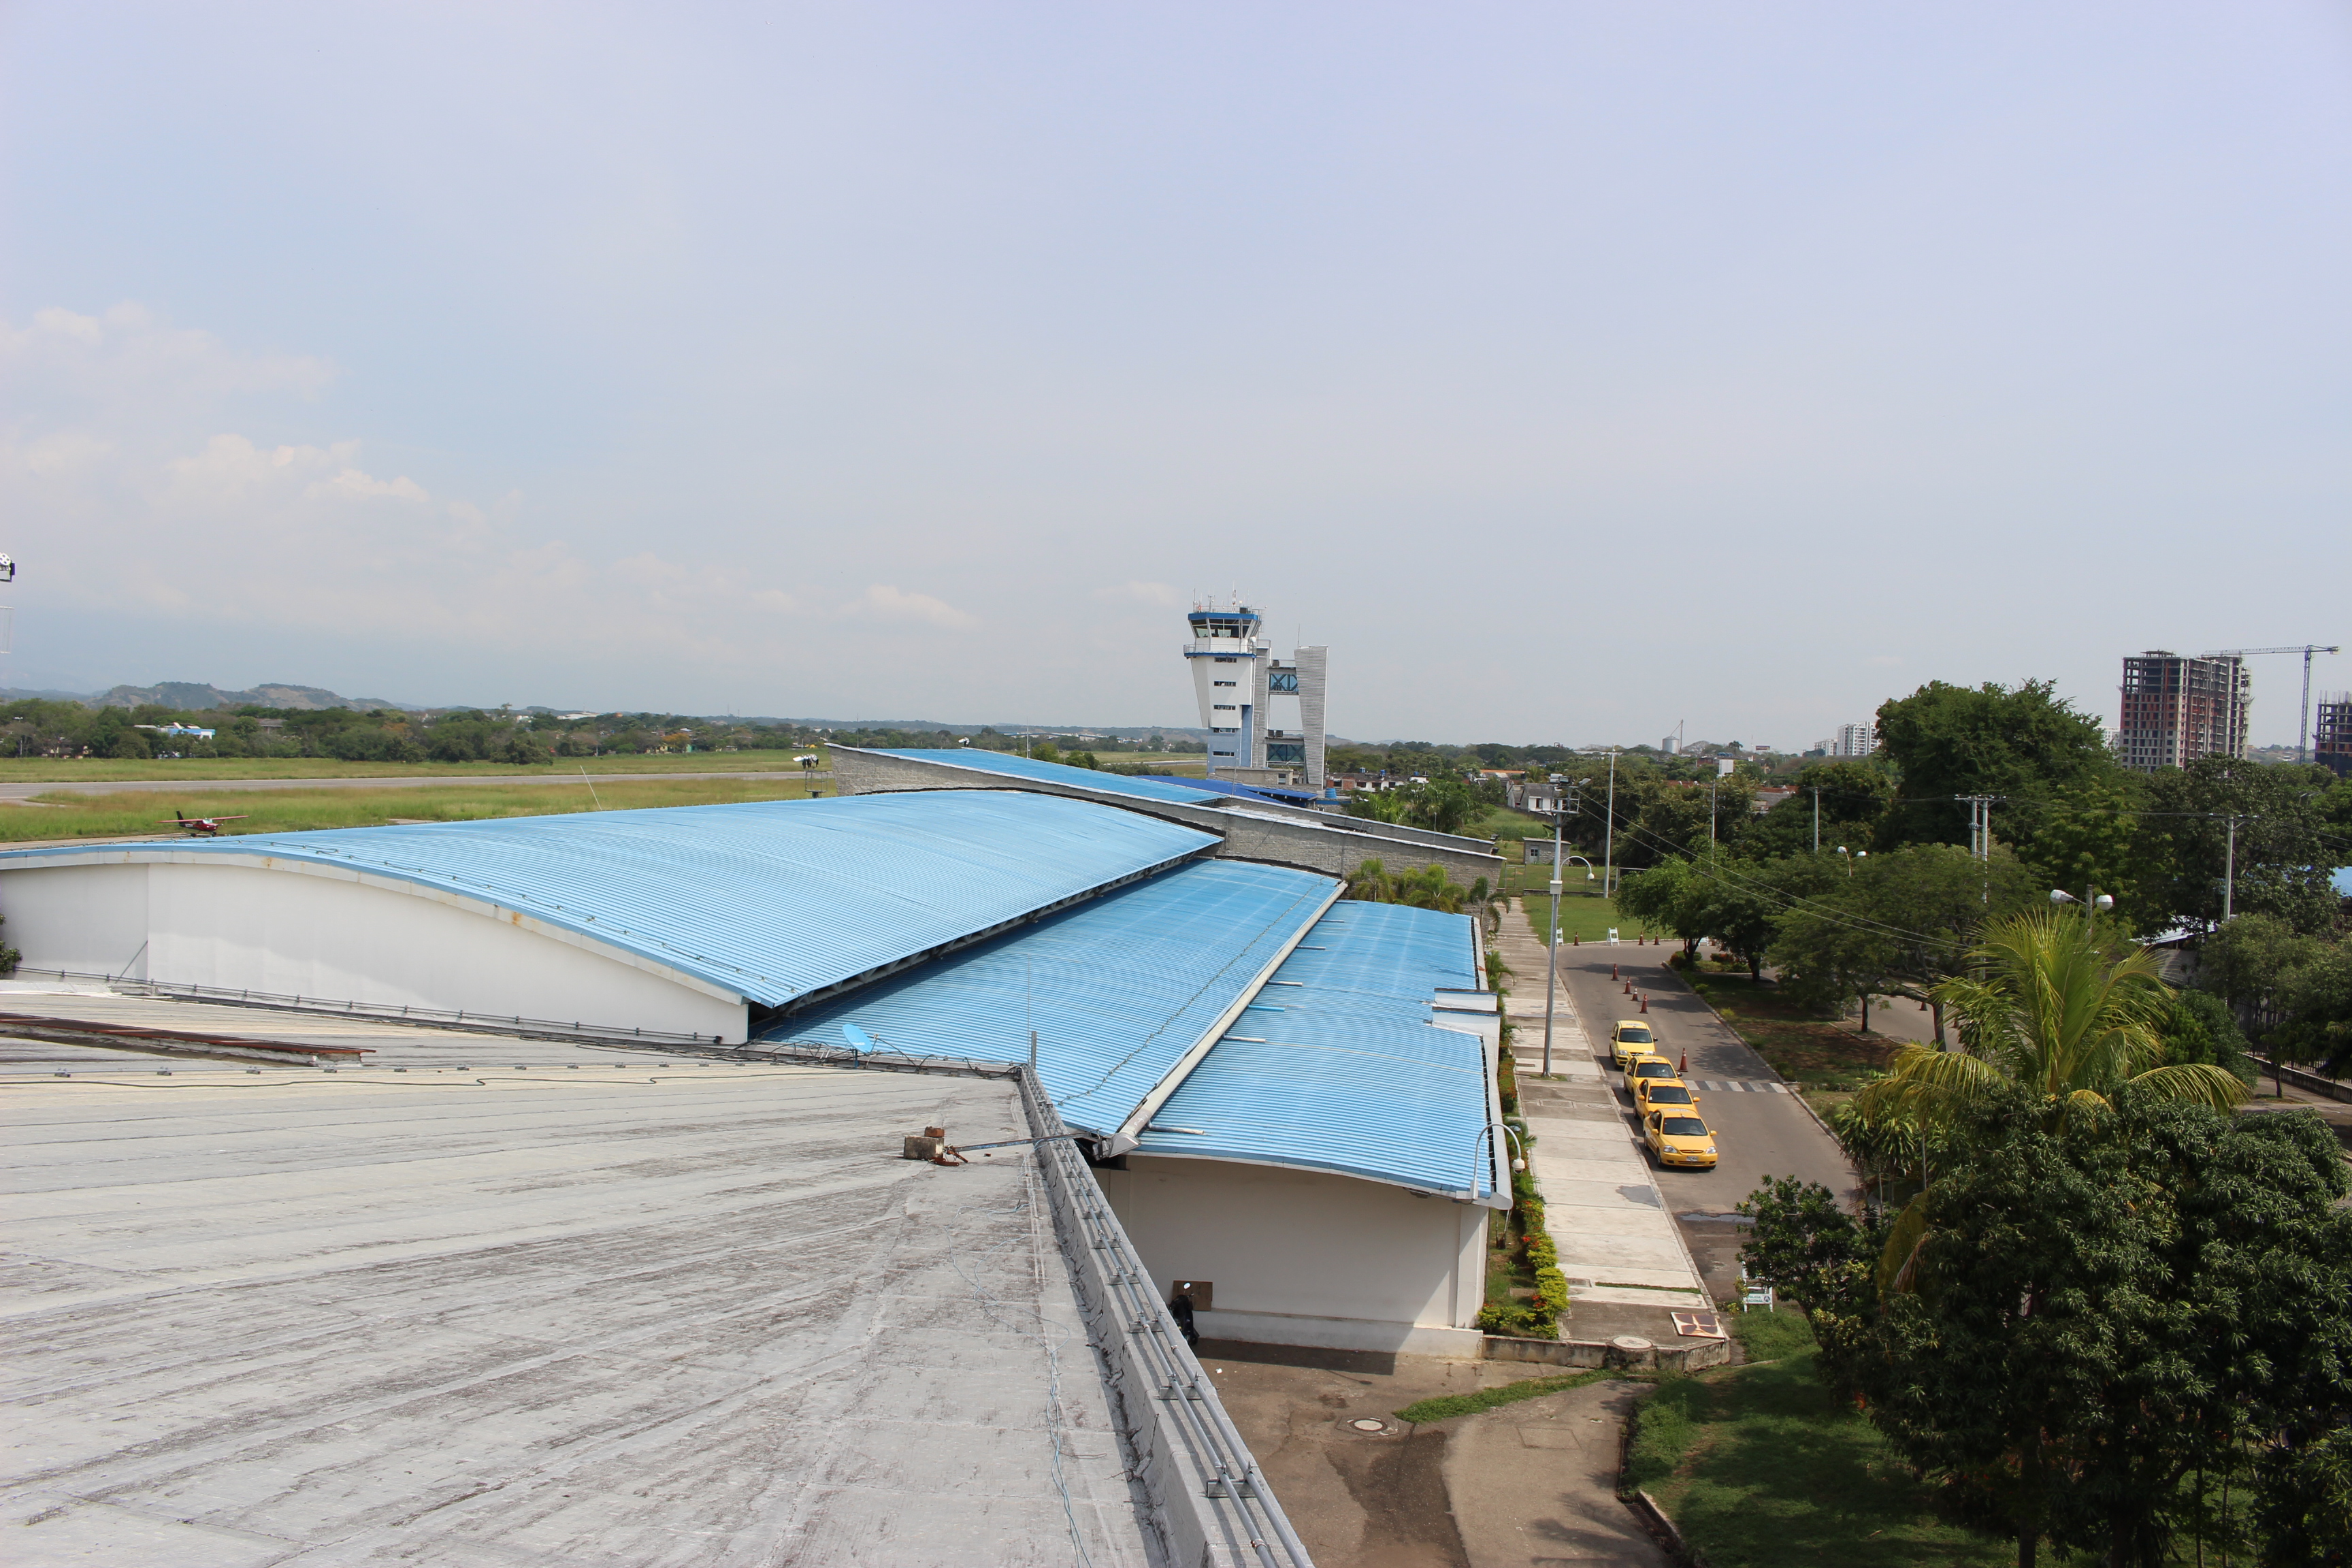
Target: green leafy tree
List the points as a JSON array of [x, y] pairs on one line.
[[2286, 844], [1669, 895], [2092, 835], [1830, 959], [2317, 1026], [1748, 901], [2023, 743], [1853, 798], [1816, 1255], [2201, 1028], [2110, 1314], [1904, 921]]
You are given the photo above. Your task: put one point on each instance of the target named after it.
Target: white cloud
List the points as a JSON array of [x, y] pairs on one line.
[[1161, 594], [125, 356], [897, 604], [352, 485], [64, 452]]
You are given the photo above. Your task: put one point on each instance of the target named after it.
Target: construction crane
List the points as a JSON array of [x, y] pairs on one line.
[[2303, 725]]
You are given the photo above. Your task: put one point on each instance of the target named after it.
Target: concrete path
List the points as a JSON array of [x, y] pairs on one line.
[[1543, 1477], [1608, 1218]]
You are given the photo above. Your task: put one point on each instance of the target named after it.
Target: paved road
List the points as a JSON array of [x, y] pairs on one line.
[[25, 789], [1758, 1132]]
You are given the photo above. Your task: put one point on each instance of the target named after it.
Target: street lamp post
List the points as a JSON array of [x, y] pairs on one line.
[[1518, 1160], [1609, 836], [1560, 807], [2091, 905]]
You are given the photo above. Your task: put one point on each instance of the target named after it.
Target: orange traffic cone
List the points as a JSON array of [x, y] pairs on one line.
[[1682, 1069], [1612, 972], [1645, 1000]]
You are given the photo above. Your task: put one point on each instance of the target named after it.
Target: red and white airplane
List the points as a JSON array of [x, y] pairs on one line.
[[202, 826]]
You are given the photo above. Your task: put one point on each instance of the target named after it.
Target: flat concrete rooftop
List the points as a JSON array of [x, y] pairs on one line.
[[529, 1303]]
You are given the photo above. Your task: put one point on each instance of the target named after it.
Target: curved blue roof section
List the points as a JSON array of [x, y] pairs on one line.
[[1118, 989], [1336, 1066], [770, 900], [1246, 792], [1006, 765]]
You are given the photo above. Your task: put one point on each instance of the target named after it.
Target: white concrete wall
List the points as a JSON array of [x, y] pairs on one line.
[[337, 938], [1303, 1257]]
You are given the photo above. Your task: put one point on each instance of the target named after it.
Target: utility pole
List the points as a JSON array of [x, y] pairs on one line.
[[1817, 819], [1560, 807], [1710, 814], [1609, 835], [2230, 871]]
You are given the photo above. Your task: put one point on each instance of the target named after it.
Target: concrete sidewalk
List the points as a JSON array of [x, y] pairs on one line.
[[1617, 1240]]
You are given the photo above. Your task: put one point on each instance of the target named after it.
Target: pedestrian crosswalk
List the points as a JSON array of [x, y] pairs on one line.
[[1744, 1086]]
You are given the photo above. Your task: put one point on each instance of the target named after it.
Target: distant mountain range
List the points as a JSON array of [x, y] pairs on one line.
[[199, 697]]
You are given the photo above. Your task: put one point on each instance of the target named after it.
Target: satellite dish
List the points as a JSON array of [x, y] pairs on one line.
[[859, 1040]]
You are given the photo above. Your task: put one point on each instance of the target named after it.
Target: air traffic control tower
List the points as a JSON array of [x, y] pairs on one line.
[[1236, 675]]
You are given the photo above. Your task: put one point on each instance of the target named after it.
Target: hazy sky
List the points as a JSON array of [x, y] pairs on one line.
[[1571, 370]]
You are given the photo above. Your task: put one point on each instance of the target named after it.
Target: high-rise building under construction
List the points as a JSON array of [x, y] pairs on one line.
[[2176, 708], [2331, 737]]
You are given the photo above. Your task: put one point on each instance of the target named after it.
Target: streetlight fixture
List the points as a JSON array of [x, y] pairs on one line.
[[2090, 906], [1518, 1160]]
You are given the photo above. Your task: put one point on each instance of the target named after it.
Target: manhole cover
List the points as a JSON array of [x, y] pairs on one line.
[[1368, 1426]]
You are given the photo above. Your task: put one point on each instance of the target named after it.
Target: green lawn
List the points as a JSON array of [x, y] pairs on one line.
[[1502, 822], [1583, 918], [1759, 1470], [81, 770], [149, 812], [1826, 1059]]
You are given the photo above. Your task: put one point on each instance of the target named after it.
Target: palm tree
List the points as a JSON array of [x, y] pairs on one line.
[[2054, 1012]]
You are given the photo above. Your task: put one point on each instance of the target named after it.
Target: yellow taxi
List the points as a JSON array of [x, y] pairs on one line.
[[1649, 1064], [1668, 1093], [1677, 1137], [1631, 1039]]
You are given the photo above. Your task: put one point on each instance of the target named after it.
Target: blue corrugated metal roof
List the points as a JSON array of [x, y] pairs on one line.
[[1117, 989], [1336, 1067], [771, 900], [1011, 767], [1247, 792]]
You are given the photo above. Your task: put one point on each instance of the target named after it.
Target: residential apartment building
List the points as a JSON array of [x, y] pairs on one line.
[[1854, 741], [2176, 708]]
